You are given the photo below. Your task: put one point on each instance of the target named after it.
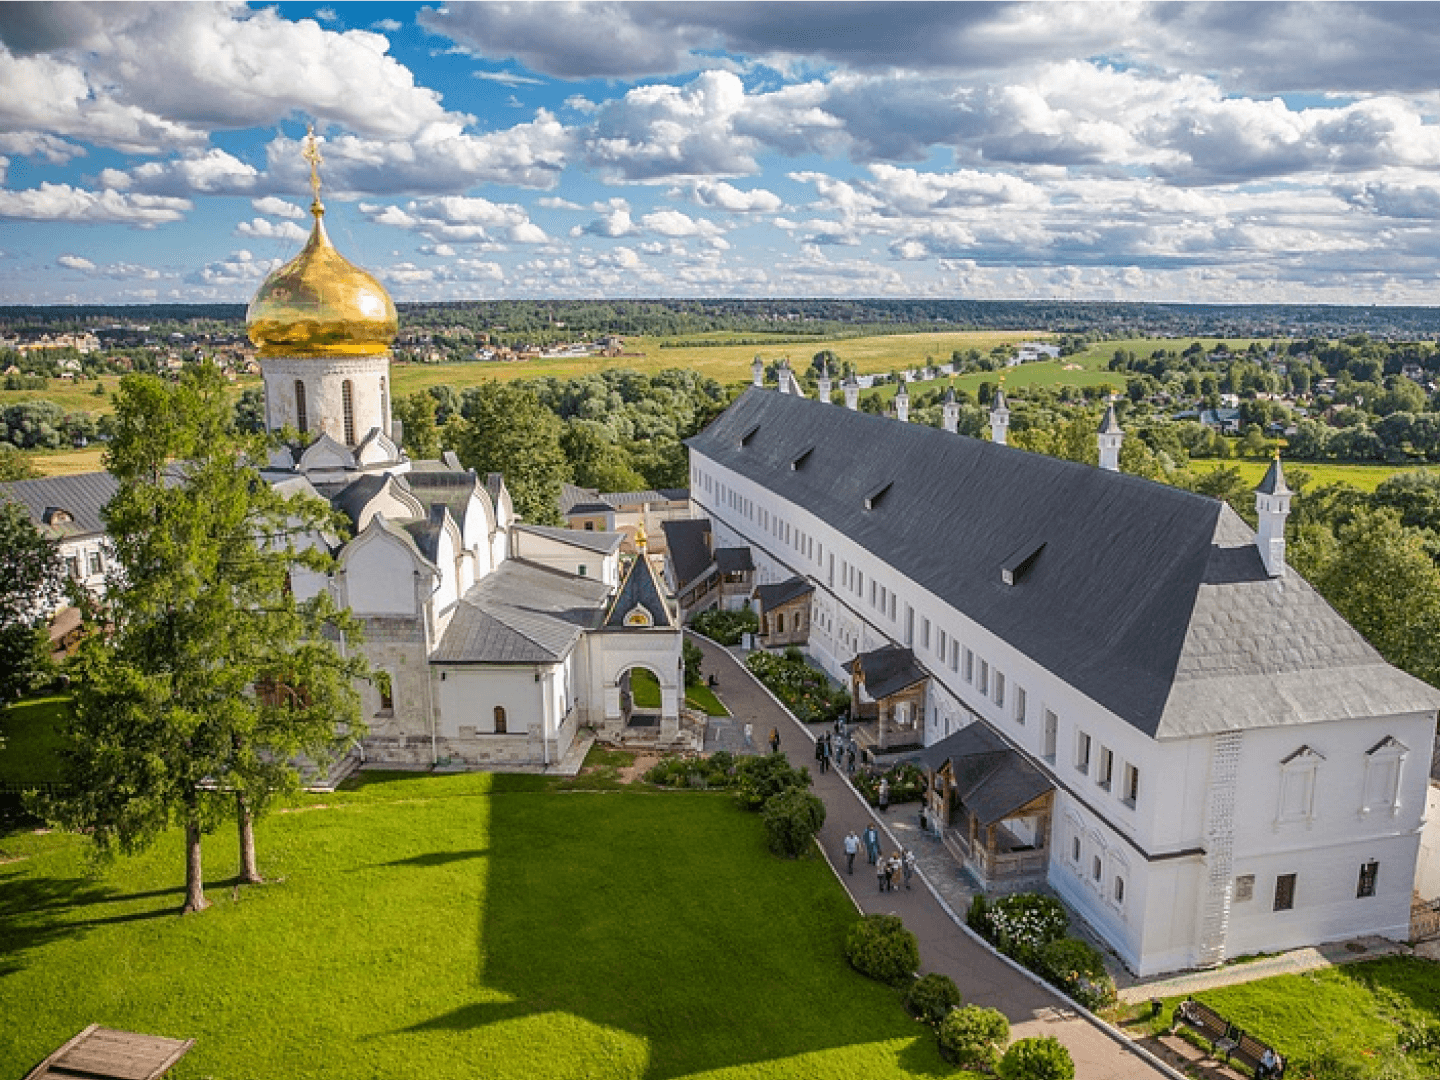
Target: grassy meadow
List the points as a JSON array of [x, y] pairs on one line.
[[458, 926]]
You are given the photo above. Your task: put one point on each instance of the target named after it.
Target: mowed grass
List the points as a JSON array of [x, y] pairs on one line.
[[458, 926], [1364, 477]]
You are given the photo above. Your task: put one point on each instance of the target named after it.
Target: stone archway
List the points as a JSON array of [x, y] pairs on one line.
[[642, 697]]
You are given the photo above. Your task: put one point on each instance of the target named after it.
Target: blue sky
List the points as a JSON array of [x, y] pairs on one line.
[[1133, 151]]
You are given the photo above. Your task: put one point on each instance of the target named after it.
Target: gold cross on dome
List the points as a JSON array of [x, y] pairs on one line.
[[311, 153]]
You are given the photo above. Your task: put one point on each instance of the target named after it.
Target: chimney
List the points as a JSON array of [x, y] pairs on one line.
[[1272, 504], [757, 371], [824, 381], [950, 411], [852, 393], [902, 403], [1110, 438], [999, 417]]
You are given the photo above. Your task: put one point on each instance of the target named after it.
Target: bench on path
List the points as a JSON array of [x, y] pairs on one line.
[[1227, 1039]]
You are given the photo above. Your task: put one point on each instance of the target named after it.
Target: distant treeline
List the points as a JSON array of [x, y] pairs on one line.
[[541, 320]]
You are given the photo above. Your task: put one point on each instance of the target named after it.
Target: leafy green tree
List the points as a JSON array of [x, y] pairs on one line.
[[973, 1036], [596, 461], [419, 432], [14, 465], [212, 675], [32, 584], [249, 409], [507, 430], [1040, 1057]]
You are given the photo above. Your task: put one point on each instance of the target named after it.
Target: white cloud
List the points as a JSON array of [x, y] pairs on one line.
[[241, 268], [61, 202], [387, 26], [280, 208], [460, 219], [507, 78], [614, 221], [723, 196], [213, 172], [675, 224], [264, 229], [75, 262], [114, 271]]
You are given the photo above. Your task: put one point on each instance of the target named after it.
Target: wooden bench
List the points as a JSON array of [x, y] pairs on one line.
[[1225, 1038]]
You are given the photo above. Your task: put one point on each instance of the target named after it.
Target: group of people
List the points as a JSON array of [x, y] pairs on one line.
[[838, 752], [898, 868]]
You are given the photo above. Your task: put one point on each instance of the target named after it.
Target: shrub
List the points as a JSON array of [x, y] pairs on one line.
[[1077, 968], [761, 778], [978, 917], [805, 691], [879, 946], [726, 627], [791, 821], [1023, 924], [932, 998], [1040, 1058], [972, 1037], [907, 784], [693, 658], [716, 771]]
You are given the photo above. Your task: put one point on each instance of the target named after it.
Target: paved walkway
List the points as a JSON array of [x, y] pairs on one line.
[[983, 977]]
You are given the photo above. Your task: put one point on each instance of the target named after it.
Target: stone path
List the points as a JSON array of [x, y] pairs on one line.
[[945, 945]]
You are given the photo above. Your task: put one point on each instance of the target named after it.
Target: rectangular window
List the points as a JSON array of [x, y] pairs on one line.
[[1285, 892], [1244, 887], [1052, 728], [1119, 889], [892, 607], [982, 681], [1019, 704], [584, 570], [1082, 751], [1368, 873], [859, 583], [954, 655], [944, 645], [924, 632], [1131, 792], [1000, 688], [72, 567], [94, 563], [909, 626], [1106, 770], [1075, 848], [969, 666], [872, 592]]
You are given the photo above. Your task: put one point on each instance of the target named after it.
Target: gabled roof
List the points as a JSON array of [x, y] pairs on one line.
[[606, 543], [772, 596], [888, 670], [641, 589], [1150, 600], [522, 613], [688, 544], [734, 560], [82, 497], [991, 779]]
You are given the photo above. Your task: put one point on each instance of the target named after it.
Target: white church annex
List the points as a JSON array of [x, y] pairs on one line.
[[1230, 767]]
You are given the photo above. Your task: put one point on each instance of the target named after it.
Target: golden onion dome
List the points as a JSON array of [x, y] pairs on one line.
[[321, 304]]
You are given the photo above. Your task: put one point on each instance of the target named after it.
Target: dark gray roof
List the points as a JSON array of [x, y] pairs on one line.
[[772, 596], [888, 670], [521, 614], [992, 780], [1273, 482], [688, 544], [426, 531], [83, 496], [650, 495], [640, 588], [1148, 599], [572, 495], [1108, 424], [356, 495], [734, 560], [604, 542]]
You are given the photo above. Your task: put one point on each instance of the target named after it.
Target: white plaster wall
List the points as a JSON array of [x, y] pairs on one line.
[[567, 558], [379, 576], [468, 695], [1427, 868], [323, 379]]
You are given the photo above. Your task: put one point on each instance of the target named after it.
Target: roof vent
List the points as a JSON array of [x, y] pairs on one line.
[[745, 439], [873, 499], [802, 459], [1019, 561]]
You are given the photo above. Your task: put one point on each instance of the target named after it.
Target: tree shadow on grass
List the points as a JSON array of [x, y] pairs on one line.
[[34, 910], [439, 858], [667, 920]]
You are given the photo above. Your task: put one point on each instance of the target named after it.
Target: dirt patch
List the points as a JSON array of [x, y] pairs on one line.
[[7, 859], [643, 763], [302, 809]]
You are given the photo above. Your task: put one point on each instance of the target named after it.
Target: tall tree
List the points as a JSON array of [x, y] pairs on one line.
[[213, 674], [417, 415], [31, 583], [507, 430]]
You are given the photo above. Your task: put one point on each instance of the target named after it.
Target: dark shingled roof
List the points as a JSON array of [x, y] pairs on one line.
[[688, 545], [734, 560], [992, 780], [1150, 600], [888, 670], [641, 587], [356, 495], [521, 614], [83, 496], [772, 596]]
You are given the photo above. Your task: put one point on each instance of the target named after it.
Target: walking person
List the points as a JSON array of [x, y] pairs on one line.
[[774, 740], [892, 870], [850, 759], [907, 866], [882, 875], [872, 844], [749, 737], [852, 848], [820, 755]]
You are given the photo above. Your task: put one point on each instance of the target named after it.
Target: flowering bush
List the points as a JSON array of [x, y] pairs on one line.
[[1021, 925], [907, 784], [1077, 968], [805, 691], [726, 627]]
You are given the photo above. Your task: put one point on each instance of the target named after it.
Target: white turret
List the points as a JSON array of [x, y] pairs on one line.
[[999, 417], [1110, 438], [1272, 504], [950, 411], [902, 403], [757, 371], [852, 393], [824, 381]]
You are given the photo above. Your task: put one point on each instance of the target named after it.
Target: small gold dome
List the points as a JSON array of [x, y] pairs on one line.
[[321, 304]]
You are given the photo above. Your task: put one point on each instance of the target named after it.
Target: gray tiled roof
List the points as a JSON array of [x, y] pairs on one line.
[[888, 670], [521, 614], [992, 780], [734, 560], [641, 587], [356, 495], [772, 596], [606, 543], [688, 544], [83, 495], [1108, 604]]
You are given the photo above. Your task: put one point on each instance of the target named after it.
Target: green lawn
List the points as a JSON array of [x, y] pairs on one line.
[[1349, 1019], [458, 926], [30, 734], [646, 694]]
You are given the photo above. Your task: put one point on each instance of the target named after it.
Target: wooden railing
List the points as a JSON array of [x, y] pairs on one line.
[[995, 866]]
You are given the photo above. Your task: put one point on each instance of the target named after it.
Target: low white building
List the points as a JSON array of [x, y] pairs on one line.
[[1233, 768]]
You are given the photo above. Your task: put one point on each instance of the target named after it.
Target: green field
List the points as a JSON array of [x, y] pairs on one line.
[[29, 738], [1364, 477], [458, 927]]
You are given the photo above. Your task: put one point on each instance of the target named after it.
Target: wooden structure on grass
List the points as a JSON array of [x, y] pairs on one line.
[[99, 1053]]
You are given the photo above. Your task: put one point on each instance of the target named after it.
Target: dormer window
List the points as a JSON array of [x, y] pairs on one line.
[[873, 499], [750, 434], [1019, 561], [54, 515], [800, 461], [639, 615]]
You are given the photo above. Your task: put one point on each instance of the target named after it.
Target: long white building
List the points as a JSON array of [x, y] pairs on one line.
[[1231, 767]]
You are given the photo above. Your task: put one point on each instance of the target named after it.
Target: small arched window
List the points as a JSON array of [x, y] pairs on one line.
[[347, 403], [499, 719], [302, 417]]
